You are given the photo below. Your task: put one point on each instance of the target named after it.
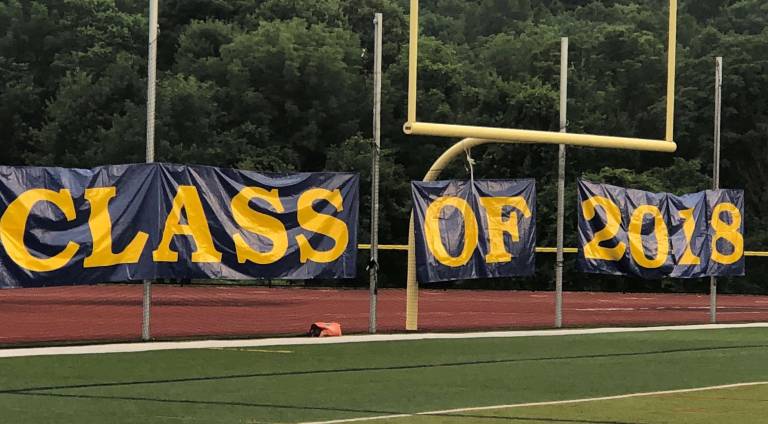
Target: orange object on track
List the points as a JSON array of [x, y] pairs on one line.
[[325, 329]]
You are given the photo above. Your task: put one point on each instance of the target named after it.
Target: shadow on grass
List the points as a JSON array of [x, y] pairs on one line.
[[375, 369], [383, 413]]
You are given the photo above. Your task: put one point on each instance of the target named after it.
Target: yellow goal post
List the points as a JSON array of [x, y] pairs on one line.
[[414, 127]]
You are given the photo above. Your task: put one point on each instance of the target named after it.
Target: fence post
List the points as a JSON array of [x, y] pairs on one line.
[[561, 183], [716, 174], [146, 334], [375, 151]]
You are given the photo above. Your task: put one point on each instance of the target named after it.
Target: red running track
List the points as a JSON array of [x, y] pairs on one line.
[[113, 312]]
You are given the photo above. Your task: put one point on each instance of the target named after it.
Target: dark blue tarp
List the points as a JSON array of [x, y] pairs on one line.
[[480, 229], [138, 212], [672, 236]]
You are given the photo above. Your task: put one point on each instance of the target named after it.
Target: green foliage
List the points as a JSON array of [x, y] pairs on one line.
[[301, 83], [354, 155], [279, 85], [680, 177]]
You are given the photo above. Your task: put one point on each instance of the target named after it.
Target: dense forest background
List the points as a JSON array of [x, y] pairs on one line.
[[285, 85]]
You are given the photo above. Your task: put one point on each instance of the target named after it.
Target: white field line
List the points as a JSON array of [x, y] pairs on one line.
[[294, 341], [243, 349], [532, 404]]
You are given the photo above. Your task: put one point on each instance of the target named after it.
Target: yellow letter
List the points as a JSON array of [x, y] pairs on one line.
[[259, 223], [636, 237], [689, 226], [188, 200], [593, 250], [319, 223], [729, 232], [494, 210], [100, 224], [432, 231], [14, 222]]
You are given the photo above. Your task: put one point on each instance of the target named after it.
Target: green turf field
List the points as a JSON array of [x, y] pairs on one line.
[[324, 382], [727, 405]]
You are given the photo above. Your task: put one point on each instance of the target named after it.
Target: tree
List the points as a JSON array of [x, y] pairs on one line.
[[301, 84]]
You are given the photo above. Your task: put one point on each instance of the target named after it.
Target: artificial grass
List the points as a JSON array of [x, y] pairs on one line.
[[320, 382], [727, 405]]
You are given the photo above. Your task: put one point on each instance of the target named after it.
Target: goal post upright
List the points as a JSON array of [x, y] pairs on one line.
[[671, 61], [413, 57]]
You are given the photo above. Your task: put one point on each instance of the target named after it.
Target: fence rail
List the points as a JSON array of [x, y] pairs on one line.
[[404, 247]]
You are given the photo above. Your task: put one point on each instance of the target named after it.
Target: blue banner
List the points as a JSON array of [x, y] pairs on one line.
[[655, 235], [148, 221], [479, 229]]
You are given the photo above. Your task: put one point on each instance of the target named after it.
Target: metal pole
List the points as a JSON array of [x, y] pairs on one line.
[[535, 136], [413, 56], [671, 62], [716, 174], [151, 82], [412, 284], [561, 184], [374, 263]]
